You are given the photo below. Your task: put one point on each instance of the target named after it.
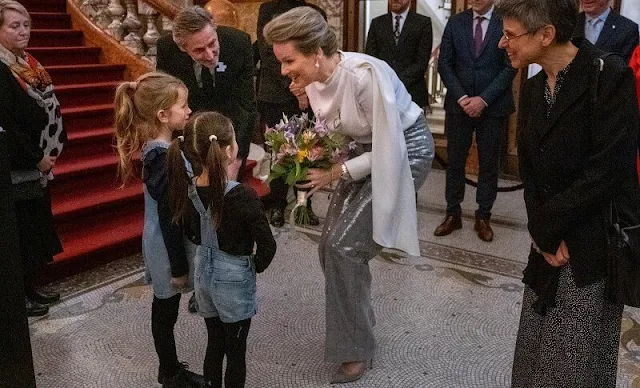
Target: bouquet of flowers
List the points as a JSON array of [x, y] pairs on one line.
[[297, 144]]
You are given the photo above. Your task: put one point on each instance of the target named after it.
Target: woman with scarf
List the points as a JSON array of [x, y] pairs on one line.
[[362, 98], [577, 134], [30, 114]]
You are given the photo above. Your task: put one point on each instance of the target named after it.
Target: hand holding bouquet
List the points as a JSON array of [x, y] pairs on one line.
[[298, 144]]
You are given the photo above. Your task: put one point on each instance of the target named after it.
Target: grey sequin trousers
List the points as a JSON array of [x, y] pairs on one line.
[[574, 345], [345, 249]]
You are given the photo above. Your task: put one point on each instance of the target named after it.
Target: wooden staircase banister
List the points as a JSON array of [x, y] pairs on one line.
[[164, 7], [112, 51]]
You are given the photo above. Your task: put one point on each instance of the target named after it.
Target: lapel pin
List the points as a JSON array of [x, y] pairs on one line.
[[221, 67], [613, 27]]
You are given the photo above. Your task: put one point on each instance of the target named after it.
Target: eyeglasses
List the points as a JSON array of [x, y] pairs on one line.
[[509, 38]]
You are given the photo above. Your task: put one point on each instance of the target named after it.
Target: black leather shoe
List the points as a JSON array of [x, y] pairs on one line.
[[193, 304], [35, 309], [184, 379], [277, 217], [451, 222], [313, 218], [42, 297]]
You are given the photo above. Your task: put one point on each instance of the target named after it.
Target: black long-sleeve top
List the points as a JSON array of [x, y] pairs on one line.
[[243, 224], [154, 175]]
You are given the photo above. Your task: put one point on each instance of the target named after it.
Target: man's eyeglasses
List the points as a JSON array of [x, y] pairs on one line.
[[508, 37]]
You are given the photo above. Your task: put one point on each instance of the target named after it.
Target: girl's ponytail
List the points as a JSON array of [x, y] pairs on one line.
[[178, 180], [216, 163], [127, 138]]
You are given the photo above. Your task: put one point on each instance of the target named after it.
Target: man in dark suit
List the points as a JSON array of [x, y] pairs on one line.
[[607, 30], [275, 99], [403, 39], [478, 78], [216, 64]]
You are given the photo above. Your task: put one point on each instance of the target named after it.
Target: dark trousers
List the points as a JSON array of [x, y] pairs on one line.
[[459, 131], [164, 314], [228, 339], [271, 114]]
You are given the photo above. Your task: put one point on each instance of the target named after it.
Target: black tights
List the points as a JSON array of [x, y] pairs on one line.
[[228, 339], [164, 314]]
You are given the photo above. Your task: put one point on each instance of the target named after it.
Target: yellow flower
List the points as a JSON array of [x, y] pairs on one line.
[[301, 155]]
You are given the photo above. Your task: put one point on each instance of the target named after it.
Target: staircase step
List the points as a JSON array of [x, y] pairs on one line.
[[79, 95], [88, 117], [75, 74], [50, 20], [78, 55], [71, 206], [95, 142], [98, 239], [45, 5], [55, 38]]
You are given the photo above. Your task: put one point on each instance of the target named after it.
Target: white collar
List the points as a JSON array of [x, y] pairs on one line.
[[487, 15], [403, 14]]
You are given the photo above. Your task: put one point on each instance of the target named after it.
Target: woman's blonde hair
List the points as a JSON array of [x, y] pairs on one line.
[[206, 136], [12, 5], [137, 104], [306, 28]]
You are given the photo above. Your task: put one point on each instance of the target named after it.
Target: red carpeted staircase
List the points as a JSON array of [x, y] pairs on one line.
[[96, 220]]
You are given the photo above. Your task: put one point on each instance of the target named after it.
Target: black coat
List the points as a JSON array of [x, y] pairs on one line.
[[575, 161], [234, 94], [410, 57], [23, 119], [489, 75], [619, 35], [273, 86]]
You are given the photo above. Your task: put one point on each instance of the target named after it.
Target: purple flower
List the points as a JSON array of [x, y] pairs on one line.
[[353, 145], [321, 127], [292, 127]]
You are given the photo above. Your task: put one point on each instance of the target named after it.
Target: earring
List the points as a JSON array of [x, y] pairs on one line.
[[317, 64]]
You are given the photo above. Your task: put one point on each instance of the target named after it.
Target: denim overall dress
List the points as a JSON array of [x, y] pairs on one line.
[[154, 252], [225, 284]]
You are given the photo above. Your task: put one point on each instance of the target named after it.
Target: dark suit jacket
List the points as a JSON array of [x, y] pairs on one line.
[[410, 57], [273, 86], [619, 35], [234, 95], [576, 160], [488, 76]]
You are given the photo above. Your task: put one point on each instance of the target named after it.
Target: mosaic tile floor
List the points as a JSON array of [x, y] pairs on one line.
[[445, 320]]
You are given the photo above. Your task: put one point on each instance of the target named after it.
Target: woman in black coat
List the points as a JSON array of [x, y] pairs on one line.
[[575, 155], [30, 114]]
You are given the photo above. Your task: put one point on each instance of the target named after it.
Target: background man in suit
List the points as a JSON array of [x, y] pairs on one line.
[[478, 78], [275, 99], [403, 39], [216, 64], [606, 29]]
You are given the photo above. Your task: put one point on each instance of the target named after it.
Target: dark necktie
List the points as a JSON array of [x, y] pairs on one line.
[[396, 28], [477, 35], [207, 79]]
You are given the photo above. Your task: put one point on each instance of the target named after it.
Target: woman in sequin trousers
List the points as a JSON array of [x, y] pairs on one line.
[[373, 205]]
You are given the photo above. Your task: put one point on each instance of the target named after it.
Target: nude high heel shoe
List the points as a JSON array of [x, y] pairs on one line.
[[341, 376]]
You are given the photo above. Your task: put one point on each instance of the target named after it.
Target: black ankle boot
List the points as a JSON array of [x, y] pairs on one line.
[[42, 297], [277, 217], [35, 309]]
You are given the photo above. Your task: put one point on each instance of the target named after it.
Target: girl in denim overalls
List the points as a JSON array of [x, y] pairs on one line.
[[229, 219], [148, 111]]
